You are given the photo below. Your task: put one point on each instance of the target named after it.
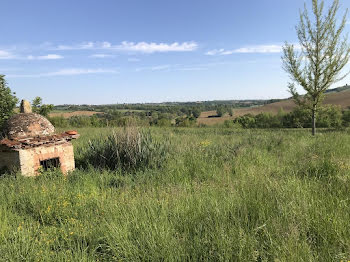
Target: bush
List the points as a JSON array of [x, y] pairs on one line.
[[126, 149], [346, 118], [330, 116]]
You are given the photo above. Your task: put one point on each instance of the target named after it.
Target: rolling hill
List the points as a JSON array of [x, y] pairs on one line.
[[338, 96]]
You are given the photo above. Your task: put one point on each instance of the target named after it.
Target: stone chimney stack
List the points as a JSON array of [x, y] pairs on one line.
[[25, 107]]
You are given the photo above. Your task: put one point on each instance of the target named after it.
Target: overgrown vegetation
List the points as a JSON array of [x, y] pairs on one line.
[[223, 195], [127, 149], [328, 117], [8, 102], [40, 108]]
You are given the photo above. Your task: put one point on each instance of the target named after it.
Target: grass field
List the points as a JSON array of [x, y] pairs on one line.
[[222, 195]]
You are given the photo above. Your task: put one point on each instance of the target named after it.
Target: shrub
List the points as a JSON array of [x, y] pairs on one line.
[[127, 149], [185, 122], [346, 118], [246, 121], [330, 116], [220, 111]]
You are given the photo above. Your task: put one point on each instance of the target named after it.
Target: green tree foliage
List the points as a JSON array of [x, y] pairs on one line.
[[220, 111], [8, 101], [324, 53], [346, 118], [40, 108], [230, 111], [329, 116], [185, 122], [196, 112]]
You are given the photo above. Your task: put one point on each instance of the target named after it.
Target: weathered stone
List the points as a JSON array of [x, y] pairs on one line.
[[28, 125], [31, 144], [28, 160], [25, 107]]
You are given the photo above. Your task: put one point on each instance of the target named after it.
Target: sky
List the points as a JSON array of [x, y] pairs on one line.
[[137, 51]]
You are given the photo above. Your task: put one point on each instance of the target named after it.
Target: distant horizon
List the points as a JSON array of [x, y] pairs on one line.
[[190, 101], [114, 52]]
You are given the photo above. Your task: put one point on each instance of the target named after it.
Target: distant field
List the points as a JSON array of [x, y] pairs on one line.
[[340, 98], [66, 114]]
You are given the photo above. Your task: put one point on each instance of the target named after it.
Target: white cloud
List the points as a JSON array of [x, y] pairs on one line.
[[215, 51], [144, 47], [45, 57], [175, 67], [80, 71], [6, 55], [155, 68], [247, 49], [69, 72], [140, 47], [83, 46], [101, 56], [261, 49], [256, 49]]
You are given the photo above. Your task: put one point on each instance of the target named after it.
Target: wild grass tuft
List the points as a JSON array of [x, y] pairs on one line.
[[129, 148]]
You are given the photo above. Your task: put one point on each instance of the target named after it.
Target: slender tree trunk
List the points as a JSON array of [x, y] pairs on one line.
[[314, 120]]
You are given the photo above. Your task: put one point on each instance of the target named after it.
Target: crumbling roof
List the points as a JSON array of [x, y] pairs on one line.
[[25, 125], [30, 142]]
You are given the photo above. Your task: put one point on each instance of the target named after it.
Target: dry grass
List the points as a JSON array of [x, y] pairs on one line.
[[75, 113]]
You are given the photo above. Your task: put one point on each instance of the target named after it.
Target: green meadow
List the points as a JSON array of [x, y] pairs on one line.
[[218, 195]]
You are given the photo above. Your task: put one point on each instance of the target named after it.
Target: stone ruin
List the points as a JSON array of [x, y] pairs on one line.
[[31, 145]]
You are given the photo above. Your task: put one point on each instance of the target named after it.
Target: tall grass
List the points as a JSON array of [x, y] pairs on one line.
[[222, 195], [129, 148]]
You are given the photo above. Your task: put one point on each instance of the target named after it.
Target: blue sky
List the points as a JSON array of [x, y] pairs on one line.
[[126, 51]]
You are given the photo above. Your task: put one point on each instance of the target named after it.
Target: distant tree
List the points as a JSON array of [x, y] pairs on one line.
[[40, 108], [324, 53], [220, 111], [196, 112], [230, 111], [36, 103], [8, 101]]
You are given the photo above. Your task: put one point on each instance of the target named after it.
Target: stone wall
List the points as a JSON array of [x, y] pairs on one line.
[[29, 159]]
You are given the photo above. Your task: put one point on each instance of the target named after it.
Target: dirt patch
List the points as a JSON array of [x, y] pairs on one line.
[[75, 113]]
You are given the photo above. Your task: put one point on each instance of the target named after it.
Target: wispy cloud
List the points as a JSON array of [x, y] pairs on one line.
[[192, 69], [6, 55], [140, 47], [247, 49], [45, 57], [69, 72], [154, 68], [9, 55], [144, 47], [102, 56], [133, 59], [175, 67]]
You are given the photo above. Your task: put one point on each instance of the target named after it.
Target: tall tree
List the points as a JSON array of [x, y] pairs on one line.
[[324, 52], [8, 101], [40, 108]]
